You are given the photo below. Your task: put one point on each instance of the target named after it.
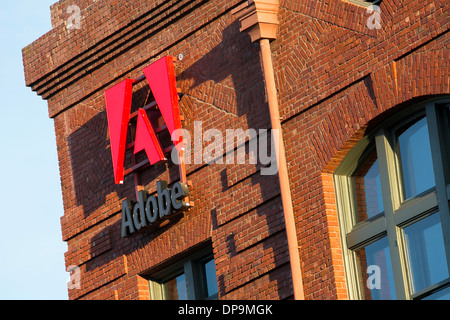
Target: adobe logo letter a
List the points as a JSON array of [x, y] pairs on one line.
[[118, 106], [161, 79]]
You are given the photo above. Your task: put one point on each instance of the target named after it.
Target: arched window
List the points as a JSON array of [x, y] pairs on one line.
[[393, 191]]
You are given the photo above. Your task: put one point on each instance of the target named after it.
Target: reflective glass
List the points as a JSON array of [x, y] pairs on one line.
[[448, 114], [413, 149], [175, 288], [426, 253], [377, 281], [368, 188], [448, 127], [210, 278]]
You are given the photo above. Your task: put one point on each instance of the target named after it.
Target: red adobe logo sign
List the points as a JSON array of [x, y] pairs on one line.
[[161, 79]]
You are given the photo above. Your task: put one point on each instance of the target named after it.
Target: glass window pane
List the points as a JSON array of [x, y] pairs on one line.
[[448, 114], [210, 278], [447, 126], [175, 289], [413, 149], [374, 262], [426, 253], [443, 294], [368, 188]]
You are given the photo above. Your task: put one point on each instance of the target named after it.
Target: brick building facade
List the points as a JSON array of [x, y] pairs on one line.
[[336, 78]]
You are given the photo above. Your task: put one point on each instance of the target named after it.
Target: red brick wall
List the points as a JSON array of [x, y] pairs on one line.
[[334, 76]]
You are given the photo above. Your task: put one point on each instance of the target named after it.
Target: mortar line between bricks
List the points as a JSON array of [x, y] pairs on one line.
[[328, 22], [251, 209], [257, 278], [420, 46], [93, 225], [332, 95], [269, 236], [212, 105], [99, 287]]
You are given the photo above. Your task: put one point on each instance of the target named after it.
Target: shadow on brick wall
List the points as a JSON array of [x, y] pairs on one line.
[[91, 163], [90, 154], [229, 77], [235, 63]]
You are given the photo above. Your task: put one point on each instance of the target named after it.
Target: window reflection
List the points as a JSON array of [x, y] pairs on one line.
[[391, 206], [368, 188], [374, 262], [448, 114], [413, 149], [175, 288], [426, 252], [210, 278]]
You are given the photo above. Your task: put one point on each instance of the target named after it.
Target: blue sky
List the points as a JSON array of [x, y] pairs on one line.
[[31, 247]]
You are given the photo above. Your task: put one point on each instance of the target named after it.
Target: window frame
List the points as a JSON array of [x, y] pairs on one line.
[[195, 282], [397, 213]]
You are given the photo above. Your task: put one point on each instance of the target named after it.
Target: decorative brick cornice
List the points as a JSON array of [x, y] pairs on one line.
[[259, 18], [59, 60]]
